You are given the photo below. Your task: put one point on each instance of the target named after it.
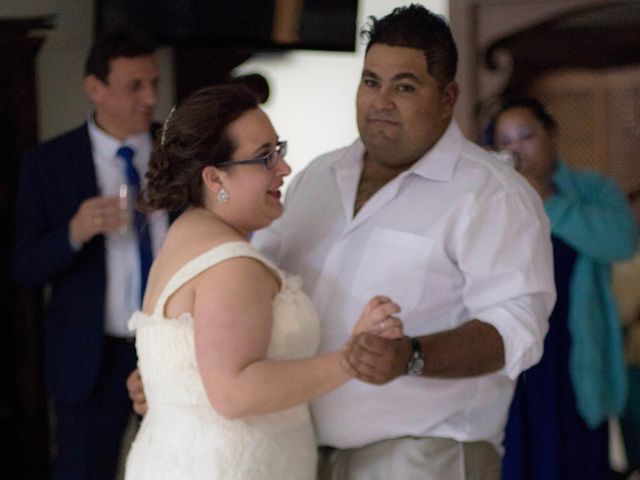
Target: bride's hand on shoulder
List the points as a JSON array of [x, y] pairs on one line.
[[378, 317]]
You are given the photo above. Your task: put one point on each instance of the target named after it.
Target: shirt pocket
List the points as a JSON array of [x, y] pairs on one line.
[[394, 264]]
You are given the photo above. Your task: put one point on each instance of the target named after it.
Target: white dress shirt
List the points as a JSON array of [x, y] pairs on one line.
[[122, 255], [457, 236]]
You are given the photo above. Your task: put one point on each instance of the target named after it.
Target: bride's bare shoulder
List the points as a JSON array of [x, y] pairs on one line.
[[195, 232], [188, 237]]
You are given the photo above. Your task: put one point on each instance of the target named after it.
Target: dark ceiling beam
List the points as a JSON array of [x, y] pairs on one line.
[[588, 48]]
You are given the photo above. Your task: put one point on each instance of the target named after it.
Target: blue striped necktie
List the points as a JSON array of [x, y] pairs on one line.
[[126, 154]]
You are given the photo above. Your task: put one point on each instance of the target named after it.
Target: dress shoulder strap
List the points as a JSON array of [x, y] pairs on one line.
[[206, 260]]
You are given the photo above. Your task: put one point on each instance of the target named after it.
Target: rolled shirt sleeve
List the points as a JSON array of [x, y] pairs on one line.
[[507, 260]]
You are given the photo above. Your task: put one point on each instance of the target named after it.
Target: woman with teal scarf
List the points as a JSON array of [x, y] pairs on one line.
[[557, 426]]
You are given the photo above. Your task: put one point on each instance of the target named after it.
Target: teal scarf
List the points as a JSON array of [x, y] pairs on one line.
[[596, 359]]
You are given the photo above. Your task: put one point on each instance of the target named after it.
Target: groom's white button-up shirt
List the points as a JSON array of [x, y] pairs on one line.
[[457, 236]]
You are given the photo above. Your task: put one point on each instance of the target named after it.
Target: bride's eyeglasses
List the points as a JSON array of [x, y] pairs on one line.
[[269, 160]]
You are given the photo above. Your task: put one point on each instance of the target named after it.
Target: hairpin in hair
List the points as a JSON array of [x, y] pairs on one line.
[[163, 137]]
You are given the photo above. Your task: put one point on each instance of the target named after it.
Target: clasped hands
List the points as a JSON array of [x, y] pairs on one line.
[[378, 351]]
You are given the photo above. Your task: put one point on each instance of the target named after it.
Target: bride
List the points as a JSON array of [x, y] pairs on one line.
[[226, 341]]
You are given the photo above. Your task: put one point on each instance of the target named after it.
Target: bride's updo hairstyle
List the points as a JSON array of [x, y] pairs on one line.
[[194, 136]]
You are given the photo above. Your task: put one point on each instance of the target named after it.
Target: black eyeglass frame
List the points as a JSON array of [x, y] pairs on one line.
[[267, 160]]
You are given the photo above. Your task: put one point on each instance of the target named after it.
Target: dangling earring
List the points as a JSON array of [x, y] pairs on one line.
[[223, 196]]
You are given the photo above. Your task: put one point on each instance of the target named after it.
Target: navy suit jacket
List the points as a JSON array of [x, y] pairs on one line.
[[56, 177]]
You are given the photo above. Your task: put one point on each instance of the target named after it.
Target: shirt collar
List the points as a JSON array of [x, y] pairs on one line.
[[108, 145], [439, 163], [351, 157]]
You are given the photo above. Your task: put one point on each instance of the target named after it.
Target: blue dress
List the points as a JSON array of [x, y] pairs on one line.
[[546, 439]]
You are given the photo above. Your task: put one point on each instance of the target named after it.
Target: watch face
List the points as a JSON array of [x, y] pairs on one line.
[[416, 366]]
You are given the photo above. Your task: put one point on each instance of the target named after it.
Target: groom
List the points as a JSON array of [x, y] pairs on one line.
[[414, 211]]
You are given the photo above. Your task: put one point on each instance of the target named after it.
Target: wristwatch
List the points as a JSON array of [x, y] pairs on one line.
[[416, 362]]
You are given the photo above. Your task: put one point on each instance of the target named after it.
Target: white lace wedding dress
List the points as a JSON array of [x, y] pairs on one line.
[[182, 437]]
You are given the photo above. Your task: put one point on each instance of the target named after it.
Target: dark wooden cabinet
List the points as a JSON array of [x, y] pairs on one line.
[[24, 440]]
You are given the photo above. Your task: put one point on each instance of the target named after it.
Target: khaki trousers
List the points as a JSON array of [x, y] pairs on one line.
[[410, 458]]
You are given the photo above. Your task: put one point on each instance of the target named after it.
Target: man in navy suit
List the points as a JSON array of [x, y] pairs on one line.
[[72, 236]]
